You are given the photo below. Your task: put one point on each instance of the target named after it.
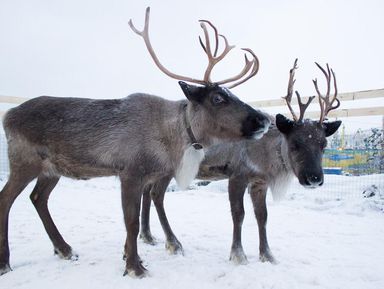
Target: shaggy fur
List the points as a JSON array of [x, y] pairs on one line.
[[288, 149], [189, 167], [141, 139]]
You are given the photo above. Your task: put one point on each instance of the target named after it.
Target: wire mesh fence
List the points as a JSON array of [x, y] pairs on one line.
[[352, 163], [361, 153], [4, 166]]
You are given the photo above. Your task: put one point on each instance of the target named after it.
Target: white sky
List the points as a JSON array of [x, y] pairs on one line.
[[85, 48]]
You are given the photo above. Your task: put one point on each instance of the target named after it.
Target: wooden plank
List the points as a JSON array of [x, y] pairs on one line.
[[351, 112], [12, 99], [376, 93], [365, 94]]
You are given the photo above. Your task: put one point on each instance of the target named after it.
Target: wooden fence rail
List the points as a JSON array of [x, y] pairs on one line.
[[349, 96], [340, 112]]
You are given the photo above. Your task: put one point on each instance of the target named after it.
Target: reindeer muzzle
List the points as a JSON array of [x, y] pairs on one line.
[[312, 180]]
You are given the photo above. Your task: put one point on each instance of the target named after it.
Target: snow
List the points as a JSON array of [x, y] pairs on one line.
[[331, 237]]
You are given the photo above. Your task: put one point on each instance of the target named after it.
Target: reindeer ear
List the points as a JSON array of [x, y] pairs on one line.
[[284, 124], [192, 92], [331, 127]]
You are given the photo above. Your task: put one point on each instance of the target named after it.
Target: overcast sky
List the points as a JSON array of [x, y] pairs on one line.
[[86, 49]]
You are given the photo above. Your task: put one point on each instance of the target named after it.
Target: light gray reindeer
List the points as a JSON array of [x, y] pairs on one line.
[[288, 149], [142, 139]]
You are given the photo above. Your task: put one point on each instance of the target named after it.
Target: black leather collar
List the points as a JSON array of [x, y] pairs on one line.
[[194, 142]]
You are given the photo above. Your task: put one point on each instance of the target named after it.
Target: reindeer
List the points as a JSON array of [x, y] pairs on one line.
[[290, 148], [142, 139]]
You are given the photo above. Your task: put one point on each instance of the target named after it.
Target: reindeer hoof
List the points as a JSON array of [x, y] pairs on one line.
[[267, 257], [138, 271], [5, 268], [66, 254], [148, 239], [174, 247], [238, 257]]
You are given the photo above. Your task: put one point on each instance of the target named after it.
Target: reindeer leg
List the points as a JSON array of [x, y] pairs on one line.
[[18, 180], [131, 190], [236, 189], [258, 193], [39, 198], [145, 231], [172, 245]]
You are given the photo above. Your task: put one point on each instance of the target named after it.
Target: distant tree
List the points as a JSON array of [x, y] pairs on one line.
[[335, 141], [375, 143]]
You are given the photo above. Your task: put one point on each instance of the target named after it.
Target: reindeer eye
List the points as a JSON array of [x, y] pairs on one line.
[[218, 99]]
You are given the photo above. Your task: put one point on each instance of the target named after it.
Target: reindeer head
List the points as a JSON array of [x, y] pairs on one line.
[[306, 139], [220, 112]]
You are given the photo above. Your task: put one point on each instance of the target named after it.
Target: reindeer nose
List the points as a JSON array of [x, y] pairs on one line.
[[313, 180]]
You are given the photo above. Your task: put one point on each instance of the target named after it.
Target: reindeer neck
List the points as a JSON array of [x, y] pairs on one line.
[[196, 131], [187, 124], [282, 153]]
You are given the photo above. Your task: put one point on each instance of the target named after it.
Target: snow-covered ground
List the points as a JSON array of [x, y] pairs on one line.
[[331, 237]]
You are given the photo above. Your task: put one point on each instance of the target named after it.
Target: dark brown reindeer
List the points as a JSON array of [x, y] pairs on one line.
[[142, 139], [290, 148]]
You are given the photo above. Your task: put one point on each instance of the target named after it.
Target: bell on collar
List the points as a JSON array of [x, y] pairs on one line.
[[197, 146]]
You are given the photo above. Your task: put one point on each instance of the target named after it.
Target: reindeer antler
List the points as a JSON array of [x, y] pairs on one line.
[[251, 67], [145, 35], [327, 103], [213, 59], [288, 97]]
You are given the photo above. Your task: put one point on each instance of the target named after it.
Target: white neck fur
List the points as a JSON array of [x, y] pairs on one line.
[[189, 167]]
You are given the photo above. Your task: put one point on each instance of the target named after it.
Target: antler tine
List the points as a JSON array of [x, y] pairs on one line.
[[327, 74], [251, 67], [212, 58], [321, 102], [291, 83], [244, 71], [216, 37], [227, 48], [327, 104], [207, 46], [303, 106], [202, 45], [145, 35], [334, 98], [254, 64]]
